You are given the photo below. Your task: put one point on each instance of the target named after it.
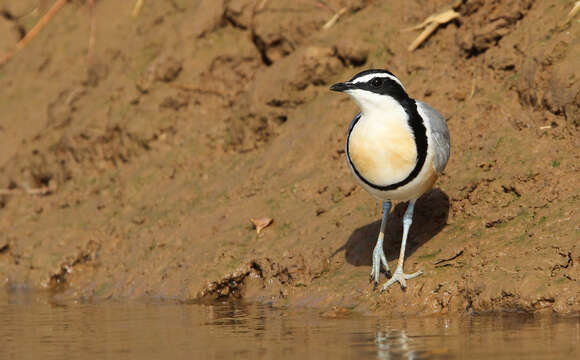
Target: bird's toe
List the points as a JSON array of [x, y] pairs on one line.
[[401, 278]]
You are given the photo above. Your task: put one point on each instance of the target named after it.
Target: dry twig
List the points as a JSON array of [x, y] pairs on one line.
[[453, 257], [137, 8], [92, 31], [571, 15], [574, 11], [38, 191], [334, 18], [472, 92], [34, 31], [431, 24], [261, 6]]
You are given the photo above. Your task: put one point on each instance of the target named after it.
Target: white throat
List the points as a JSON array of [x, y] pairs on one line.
[[376, 107]]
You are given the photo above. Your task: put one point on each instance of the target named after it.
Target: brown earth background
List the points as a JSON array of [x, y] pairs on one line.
[[135, 149]]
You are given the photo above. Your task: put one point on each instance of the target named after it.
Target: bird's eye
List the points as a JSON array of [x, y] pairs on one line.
[[376, 82]]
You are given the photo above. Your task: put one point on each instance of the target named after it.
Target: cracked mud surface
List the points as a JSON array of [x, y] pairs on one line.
[[135, 175]]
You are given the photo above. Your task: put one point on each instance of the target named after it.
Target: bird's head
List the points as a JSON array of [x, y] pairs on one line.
[[373, 89]]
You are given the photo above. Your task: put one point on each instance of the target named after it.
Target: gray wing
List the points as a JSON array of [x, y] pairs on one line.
[[439, 135]]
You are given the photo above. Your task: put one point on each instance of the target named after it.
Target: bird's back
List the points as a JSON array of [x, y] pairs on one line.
[[439, 135]]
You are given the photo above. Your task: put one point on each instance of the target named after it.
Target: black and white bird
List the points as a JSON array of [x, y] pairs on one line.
[[396, 148]]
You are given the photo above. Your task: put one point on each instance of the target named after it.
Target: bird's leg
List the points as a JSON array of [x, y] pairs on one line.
[[378, 253], [399, 275]]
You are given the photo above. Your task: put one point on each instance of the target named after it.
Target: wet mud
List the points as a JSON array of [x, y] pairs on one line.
[[135, 149]]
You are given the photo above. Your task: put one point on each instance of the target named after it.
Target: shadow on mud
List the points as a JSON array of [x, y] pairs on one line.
[[431, 213]]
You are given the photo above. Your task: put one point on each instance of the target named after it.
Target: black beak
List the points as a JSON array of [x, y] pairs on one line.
[[342, 86]]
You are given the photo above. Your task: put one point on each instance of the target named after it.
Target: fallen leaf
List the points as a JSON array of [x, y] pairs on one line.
[[261, 223]]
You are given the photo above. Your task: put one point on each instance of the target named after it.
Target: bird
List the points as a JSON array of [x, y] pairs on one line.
[[396, 148]]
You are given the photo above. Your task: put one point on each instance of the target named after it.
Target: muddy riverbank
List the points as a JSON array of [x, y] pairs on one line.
[[133, 155]]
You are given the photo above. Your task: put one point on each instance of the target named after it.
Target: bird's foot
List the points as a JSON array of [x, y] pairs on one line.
[[378, 259], [401, 278]]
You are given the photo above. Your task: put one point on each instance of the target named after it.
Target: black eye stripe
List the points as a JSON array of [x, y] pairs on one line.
[[387, 87], [376, 82]]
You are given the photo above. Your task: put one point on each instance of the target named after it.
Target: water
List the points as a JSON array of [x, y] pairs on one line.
[[38, 329]]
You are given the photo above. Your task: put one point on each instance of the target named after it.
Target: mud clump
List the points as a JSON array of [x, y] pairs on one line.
[[487, 22], [254, 276], [58, 280]]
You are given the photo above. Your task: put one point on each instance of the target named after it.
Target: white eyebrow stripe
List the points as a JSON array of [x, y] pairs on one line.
[[368, 77]]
